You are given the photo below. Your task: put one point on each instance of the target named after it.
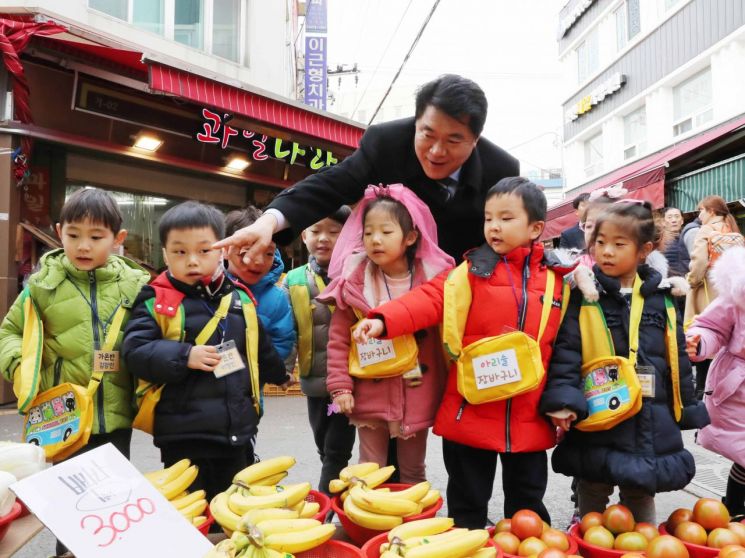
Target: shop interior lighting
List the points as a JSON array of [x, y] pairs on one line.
[[147, 141], [237, 164]]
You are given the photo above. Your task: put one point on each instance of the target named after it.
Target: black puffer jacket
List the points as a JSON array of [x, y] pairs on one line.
[[645, 451], [195, 406]]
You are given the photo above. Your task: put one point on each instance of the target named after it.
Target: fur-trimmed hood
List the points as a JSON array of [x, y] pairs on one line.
[[728, 275]]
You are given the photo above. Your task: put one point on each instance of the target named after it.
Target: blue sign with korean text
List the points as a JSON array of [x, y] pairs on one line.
[[315, 17], [315, 72]]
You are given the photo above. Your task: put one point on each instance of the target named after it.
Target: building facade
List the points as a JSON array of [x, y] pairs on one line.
[[651, 84]]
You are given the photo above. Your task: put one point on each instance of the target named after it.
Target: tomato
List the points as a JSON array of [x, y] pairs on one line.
[[555, 539], [647, 529], [552, 553], [618, 519], [531, 545], [503, 526], [590, 519], [736, 553], [720, 537], [691, 532], [526, 523], [633, 555], [739, 530], [508, 542], [730, 548], [710, 514], [677, 517], [599, 536], [630, 540], [666, 546]]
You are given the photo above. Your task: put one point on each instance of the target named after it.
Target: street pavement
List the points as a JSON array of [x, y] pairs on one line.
[[284, 430]]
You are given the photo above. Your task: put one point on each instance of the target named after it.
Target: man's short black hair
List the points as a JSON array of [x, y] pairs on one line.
[[341, 215], [457, 97], [191, 215], [579, 199], [95, 205], [533, 197]]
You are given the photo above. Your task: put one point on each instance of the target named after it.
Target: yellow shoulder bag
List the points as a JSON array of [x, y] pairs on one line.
[[497, 367]]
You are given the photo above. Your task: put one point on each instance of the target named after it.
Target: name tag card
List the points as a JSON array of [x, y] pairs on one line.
[[496, 369], [646, 377], [230, 359], [100, 506], [106, 361], [375, 351]]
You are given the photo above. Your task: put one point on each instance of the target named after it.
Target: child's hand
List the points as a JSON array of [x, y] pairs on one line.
[[203, 357], [290, 382], [345, 401], [368, 328], [692, 345], [563, 419]]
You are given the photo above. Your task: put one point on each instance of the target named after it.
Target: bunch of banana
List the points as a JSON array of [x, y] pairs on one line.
[[379, 509], [172, 483], [435, 538], [274, 538]]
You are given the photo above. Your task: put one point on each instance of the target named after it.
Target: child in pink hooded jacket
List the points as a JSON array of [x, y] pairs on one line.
[[387, 246], [719, 333]]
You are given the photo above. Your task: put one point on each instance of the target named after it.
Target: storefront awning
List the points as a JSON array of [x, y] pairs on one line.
[[644, 178], [725, 179]]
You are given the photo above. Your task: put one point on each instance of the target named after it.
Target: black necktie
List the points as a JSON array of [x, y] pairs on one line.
[[448, 185]]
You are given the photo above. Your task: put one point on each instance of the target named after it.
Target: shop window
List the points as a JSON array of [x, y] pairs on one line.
[[692, 103], [628, 22], [148, 15], [635, 133], [588, 58], [226, 29], [594, 155], [189, 23], [114, 8]]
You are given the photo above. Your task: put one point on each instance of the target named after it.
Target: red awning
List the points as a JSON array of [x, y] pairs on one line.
[[231, 99], [644, 179]]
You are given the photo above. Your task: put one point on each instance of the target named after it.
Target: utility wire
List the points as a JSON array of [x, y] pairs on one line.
[[406, 59]]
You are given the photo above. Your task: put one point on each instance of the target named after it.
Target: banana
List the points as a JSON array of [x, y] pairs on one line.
[[263, 469], [223, 549], [375, 478], [198, 520], [458, 547], [259, 490], [344, 495], [190, 498], [163, 476], [272, 526], [310, 509], [291, 495], [414, 493], [383, 503], [430, 498], [252, 517], [390, 554], [486, 552], [194, 509], [336, 485], [222, 513], [432, 539], [182, 495], [180, 483], [300, 541], [421, 527], [358, 470], [370, 520], [271, 480]]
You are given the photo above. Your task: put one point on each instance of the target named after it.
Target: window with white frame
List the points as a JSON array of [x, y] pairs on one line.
[[594, 154], [588, 56], [217, 27], [692, 103], [635, 133], [628, 22]]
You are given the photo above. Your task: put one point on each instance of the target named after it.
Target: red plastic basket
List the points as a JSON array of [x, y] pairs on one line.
[[694, 550], [360, 535], [573, 547], [8, 518], [323, 500], [371, 549], [332, 549], [204, 528], [592, 551]]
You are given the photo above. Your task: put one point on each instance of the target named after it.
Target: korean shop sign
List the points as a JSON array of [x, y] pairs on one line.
[[595, 97]]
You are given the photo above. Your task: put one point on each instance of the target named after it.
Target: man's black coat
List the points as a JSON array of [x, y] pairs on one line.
[[573, 238], [386, 155]]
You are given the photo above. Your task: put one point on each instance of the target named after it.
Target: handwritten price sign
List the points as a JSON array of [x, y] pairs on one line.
[[100, 506]]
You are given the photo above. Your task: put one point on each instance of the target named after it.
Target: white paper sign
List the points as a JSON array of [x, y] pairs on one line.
[[496, 369], [100, 506], [374, 351]]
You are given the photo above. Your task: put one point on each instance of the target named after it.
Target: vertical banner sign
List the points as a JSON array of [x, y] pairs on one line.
[[315, 17], [315, 71]]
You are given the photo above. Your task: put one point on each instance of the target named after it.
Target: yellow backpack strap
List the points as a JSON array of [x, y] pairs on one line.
[[297, 284], [210, 327], [252, 347], [456, 305], [27, 378], [597, 341], [548, 298], [566, 293], [108, 345], [635, 319], [671, 337]]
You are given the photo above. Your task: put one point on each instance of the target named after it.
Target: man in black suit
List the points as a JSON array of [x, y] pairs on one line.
[[438, 154], [575, 236]]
